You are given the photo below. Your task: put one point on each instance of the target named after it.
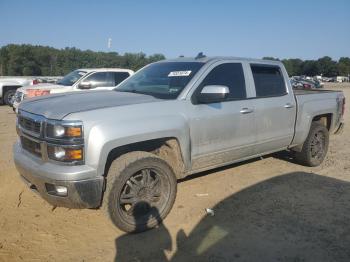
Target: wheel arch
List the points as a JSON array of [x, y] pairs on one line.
[[7, 88], [168, 148], [324, 119]]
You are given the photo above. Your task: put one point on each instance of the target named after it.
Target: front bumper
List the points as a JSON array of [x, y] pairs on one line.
[[81, 193]]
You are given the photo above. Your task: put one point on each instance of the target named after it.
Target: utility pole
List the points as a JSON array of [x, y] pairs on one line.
[[109, 44]]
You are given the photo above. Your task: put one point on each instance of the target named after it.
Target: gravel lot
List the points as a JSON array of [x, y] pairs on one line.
[[265, 210]]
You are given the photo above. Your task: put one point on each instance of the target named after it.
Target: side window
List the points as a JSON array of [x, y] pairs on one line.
[[100, 79], [230, 75], [120, 76], [268, 80]]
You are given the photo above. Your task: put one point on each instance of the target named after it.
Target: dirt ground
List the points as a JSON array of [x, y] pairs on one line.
[[265, 210]]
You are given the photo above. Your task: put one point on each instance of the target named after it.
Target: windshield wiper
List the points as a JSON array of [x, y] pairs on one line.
[[126, 91], [60, 83], [135, 92]]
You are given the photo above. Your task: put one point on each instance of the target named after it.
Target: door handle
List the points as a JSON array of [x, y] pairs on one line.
[[246, 110], [288, 105]]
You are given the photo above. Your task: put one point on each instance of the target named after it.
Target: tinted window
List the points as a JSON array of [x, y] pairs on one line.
[[120, 76], [101, 79], [268, 80], [230, 75], [71, 78]]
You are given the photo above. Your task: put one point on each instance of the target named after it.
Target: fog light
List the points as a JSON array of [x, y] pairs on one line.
[[61, 190], [54, 190]]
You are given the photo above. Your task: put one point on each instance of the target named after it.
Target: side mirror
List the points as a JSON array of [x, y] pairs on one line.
[[213, 94], [85, 85]]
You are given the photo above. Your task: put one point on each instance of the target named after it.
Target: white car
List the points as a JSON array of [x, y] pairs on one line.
[[78, 80], [9, 85]]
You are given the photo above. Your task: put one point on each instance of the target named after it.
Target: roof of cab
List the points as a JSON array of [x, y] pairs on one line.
[[206, 59], [105, 69]]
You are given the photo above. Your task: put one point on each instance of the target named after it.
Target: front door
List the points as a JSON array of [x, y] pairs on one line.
[[224, 131]]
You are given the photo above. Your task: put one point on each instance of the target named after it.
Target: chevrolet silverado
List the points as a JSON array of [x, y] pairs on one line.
[[124, 149]]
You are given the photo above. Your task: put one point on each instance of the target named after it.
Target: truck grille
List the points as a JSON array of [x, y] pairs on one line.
[[31, 146], [30, 125]]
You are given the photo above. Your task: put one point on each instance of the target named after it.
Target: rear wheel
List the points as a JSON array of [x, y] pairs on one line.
[[315, 146], [9, 96], [140, 192]]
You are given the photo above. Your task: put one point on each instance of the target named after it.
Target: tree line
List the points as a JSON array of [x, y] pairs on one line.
[[324, 66], [18, 60], [29, 60]]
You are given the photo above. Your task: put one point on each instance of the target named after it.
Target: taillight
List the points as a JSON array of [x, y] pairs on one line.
[[35, 82]]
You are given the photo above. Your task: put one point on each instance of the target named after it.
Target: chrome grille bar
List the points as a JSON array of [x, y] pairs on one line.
[[31, 124]]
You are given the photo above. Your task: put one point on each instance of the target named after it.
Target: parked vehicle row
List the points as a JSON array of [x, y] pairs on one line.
[[124, 149], [337, 79], [78, 80], [304, 83]]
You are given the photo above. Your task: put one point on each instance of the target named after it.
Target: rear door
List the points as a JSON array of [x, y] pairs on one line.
[[224, 131], [275, 108]]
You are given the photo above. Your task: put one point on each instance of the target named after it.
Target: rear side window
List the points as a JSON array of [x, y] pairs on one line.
[[268, 80], [120, 76], [230, 75]]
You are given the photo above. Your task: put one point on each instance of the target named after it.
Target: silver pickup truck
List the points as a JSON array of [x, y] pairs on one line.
[[124, 149]]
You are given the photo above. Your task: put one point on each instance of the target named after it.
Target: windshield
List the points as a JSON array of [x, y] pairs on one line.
[[71, 78], [163, 80]]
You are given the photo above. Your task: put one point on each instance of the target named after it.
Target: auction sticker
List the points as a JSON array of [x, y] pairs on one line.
[[179, 73]]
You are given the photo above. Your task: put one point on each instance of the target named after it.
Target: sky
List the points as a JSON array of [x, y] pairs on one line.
[[306, 29]]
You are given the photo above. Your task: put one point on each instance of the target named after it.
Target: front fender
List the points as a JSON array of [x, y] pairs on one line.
[[103, 138]]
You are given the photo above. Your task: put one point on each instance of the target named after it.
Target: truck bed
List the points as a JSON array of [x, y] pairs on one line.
[[316, 102]]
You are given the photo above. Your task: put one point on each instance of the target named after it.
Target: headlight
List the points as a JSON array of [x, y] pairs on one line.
[[64, 130], [65, 141], [58, 131], [65, 154]]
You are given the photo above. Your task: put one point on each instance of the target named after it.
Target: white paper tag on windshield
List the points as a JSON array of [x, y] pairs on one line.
[[180, 73]]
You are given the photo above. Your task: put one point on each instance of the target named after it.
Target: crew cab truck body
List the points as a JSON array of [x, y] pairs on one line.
[[77, 80], [9, 85], [124, 149]]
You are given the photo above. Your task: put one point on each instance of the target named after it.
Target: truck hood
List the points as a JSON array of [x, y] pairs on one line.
[[60, 105]]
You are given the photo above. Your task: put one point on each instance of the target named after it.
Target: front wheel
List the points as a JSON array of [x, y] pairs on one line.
[[141, 190], [315, 146], [9, 97]]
